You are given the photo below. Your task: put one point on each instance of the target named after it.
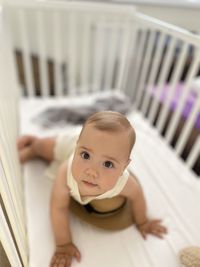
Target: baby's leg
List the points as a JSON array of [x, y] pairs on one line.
[[31, 147]]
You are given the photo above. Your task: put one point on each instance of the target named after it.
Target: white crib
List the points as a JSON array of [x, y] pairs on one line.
[[70, 53]]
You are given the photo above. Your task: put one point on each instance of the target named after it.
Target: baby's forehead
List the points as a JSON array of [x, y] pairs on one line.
[[108, 130], [106, 138]]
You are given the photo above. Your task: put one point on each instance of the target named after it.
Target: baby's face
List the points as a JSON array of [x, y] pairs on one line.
[[99, 160]]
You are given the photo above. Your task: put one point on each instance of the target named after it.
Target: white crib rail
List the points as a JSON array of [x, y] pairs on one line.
[[166, 50], [194, 154], [88, 50], [7, 240], [11, 186], [12, 230]]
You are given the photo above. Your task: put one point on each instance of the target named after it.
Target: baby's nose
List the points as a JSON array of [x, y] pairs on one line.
[[92, 172]]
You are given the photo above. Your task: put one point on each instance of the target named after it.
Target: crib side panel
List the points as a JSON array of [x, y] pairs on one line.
[[166, 87], [70, 49], [12, 217]]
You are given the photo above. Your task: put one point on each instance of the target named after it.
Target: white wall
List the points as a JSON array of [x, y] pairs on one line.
[[184, 17]]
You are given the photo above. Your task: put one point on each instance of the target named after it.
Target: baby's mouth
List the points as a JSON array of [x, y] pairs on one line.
[[89, 183]]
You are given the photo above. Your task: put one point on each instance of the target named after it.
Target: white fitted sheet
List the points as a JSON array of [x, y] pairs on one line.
[[172, 193]]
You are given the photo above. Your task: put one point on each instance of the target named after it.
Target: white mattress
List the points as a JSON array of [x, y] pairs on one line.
[[171, 191]]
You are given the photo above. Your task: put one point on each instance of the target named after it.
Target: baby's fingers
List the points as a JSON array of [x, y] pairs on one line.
[[53, 261], [159, 228], [68, 262], [62, 262], [159, 231], [143, 233], [58, 261], [162, 229], [78, 255], [156, 222]]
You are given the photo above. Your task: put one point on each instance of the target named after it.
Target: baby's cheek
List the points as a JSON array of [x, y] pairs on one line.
[[110, 181], [116, 174], [75, 170]]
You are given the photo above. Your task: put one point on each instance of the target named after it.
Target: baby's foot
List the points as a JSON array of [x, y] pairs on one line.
[[25, 145]]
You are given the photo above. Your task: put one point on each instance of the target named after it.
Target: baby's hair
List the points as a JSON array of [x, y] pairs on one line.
[[112, 121]]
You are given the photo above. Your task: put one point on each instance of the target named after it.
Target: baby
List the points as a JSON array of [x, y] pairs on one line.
[[96, 169]]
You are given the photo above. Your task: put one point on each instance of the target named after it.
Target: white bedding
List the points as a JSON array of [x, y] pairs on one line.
[[172, 194]]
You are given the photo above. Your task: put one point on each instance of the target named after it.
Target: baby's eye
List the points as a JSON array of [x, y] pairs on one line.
[[108, 164], [85, 155]]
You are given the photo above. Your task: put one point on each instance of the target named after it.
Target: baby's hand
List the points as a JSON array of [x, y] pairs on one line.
[[25, 145], [64, 254], [153, 227]]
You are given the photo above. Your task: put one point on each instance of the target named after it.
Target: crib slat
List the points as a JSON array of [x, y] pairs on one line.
[[85, 55], [153, 71], [145, 69], [130, 73], [194, 153], [162, 78], [138, 64], [56, 26], [188, 127], [111, 56], [8, 131], [10, 179], [65, 53], [9, 197], [12, 211], [100, 36], [123, 55], [10, 123], [136, 61], [7, 148], [7, 241], [176, 115], [42, 55], [28, 74], [175, 79], [72, 53]]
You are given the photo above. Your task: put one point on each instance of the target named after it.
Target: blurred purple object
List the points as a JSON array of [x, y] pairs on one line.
[[190, 101]]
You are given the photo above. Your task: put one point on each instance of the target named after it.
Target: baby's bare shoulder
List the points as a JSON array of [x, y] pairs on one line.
[[132, 188]]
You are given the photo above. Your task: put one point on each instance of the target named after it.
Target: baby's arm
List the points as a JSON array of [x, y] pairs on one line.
[[60, 198], [30, 147], [133, 191]]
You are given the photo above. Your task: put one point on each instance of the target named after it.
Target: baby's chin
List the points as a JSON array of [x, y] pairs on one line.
[[85, 191]]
